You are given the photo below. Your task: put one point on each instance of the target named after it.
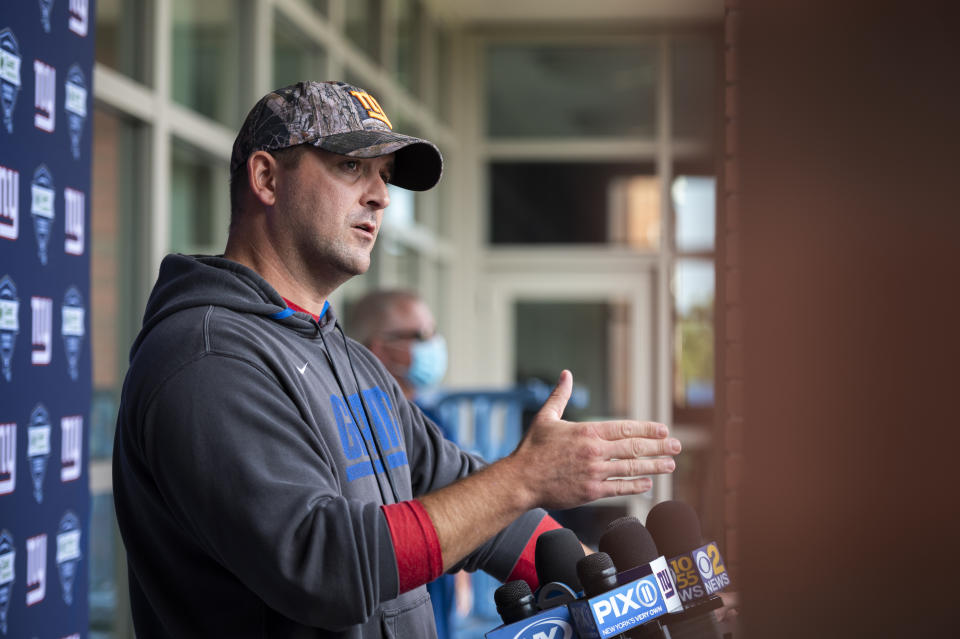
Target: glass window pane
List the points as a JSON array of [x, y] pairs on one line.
[[199, 201], [123, 37], [294, 57], [118, 232], [401, 211], [694, 285], [362, 26], [408, 45], [544, 346], [694, 199], [206, 48], [399, 265], [104, 569], [562, 90], [575, 203], [441, 69], [694, 80]]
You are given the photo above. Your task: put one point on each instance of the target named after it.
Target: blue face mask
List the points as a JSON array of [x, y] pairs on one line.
[[428, 362]]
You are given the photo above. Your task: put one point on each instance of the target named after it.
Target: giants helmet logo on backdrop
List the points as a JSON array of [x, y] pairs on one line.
[[38, 448], [76, 107], [68, 553], [9, 76], [9, 325], [72, 328], [45, 7], [42, 209], [8, 557]]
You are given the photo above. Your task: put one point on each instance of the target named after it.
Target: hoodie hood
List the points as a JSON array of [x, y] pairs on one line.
[[189, 281]]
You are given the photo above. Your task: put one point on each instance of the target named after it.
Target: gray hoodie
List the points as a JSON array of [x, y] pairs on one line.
[[248, 483]]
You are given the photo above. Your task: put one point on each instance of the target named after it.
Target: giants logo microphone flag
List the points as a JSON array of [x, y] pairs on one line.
[[46, 108]]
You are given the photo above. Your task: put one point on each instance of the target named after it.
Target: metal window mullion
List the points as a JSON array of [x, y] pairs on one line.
[[159, 187], [389, 26], [579, 149], [337, 14], [200, 131], [427, 51], [379, 76], [663, 406], [118, 91], [323, 32], [260, 27]]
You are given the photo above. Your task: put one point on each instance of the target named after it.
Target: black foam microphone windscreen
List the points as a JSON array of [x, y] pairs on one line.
[[556, 556], [628, 543], [675, 528], [514, 601], [597, 573]]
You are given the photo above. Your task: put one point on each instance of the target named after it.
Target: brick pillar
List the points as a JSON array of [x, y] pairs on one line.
[[846, 231], [729, 335]]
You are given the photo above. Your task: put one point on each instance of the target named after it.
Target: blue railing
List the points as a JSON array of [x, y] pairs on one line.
[[488, 423]]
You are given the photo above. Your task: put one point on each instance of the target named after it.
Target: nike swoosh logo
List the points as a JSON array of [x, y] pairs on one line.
[[303, 368]]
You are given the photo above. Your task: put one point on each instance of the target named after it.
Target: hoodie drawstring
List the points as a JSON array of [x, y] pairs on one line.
[[366, 412]]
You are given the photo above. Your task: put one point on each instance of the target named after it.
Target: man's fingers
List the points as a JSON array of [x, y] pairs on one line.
[[620, 487], [557, 402], [628, 428], [637, 467], [641, 447]]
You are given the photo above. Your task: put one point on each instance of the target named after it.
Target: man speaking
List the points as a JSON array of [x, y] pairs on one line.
[[270, 478]]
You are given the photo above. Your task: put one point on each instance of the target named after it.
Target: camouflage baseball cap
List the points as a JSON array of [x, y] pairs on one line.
[[340, 118]]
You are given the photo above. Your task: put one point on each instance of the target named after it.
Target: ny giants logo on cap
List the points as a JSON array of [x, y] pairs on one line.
[[372, 107]]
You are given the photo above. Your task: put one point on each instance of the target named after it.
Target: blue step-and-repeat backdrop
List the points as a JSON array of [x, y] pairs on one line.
[[46, 109]]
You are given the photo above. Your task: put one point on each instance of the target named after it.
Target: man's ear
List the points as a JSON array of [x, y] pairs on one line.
[[262, 177]]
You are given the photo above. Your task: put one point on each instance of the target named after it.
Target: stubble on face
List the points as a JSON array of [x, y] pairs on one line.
[[330, 214]]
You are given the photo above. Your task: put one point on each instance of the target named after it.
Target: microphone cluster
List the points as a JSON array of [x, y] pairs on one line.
[[657, 581]]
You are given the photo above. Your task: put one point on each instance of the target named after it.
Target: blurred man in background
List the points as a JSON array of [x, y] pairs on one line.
[[399, 328]]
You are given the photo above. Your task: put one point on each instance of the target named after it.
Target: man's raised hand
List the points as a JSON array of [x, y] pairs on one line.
[[566, 464]]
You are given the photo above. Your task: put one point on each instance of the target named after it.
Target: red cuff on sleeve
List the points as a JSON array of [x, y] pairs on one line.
[[526, 566], [415, 543]]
